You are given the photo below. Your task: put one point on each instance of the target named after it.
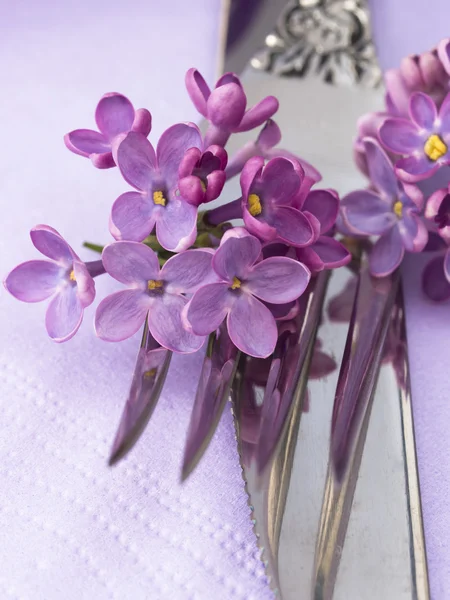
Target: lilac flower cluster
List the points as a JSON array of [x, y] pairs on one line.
[[405, 153], [188, 271]]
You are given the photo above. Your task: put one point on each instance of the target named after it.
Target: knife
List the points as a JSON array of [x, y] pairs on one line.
[[319, 43]]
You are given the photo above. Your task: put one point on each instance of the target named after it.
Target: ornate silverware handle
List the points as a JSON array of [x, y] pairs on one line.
[[330, 38]]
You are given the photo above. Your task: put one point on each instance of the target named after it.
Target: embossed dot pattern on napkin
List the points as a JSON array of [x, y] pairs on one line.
[[70, 527]]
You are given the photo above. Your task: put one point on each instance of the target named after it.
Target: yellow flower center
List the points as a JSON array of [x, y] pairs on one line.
[[398, 209], [254, 205], [236, 284], [158, 198], [153, 284], [72, 275], [435, 147]]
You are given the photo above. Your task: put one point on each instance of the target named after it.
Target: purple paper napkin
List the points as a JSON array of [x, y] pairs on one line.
[[400, 28], [70, 527]]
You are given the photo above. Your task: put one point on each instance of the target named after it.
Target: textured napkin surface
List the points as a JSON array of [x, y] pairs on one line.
[[70, 527]]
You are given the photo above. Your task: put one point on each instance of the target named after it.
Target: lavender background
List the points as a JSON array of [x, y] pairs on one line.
[[401, 28], [70, 527]]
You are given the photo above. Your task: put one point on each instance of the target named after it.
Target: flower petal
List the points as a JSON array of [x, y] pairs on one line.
[[131, 262], [447, 265], [310, 258], [434, 282], [226, 106], [400, 136], [252, 327], [176, 225], [387, 254], [208, 307], [235, 257], [191, 190], [86, 142], [415, 168], [443, 50], [422, 110], [215, 182], [331, 252], [269, 136], [281, 180], [64, 314], [250, 171], [142, 121], [325, 253], [434, 203], [278, 280], [34, 280], [85, 284], [187, 271], [132, 217], [257, 227], [50, 243], [444, 115], [114, 114], [381, 169], [367, 213], [292, 226], [103, 161], [259, 113], [172, 146], [324, 205], [136, 159], [166, 325], [121, 314], [198, 90]]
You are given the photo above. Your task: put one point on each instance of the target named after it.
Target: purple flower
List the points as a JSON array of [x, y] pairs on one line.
[[436, 278], [417, 73], [268, 194], [367, 126], [322, 208], [64, 276], [202, 174], [155, 294], [238, 297], [155, 177], [392, 212], [423, 140], [225, 106], [114, 115], [438, 211], [265, 146]]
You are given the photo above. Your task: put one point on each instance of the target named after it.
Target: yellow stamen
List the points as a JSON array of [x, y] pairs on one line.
[[435, 147], [254, 205], [398, 209], [236, 284], [72, 275], [158, 198], [154, 285], [203, 184]]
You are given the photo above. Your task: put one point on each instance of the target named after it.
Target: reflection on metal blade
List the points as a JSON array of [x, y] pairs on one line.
[[268, 479], [149, 375], [382, 554]]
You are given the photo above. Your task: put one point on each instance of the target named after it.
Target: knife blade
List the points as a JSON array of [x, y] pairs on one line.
[[318, 122]]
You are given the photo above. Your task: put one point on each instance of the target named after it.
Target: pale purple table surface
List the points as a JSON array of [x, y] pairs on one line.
[[70, 527]]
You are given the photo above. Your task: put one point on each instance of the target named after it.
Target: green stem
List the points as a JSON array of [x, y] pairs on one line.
[[95, 247]]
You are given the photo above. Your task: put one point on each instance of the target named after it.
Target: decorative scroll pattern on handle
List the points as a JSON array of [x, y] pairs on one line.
[[330, 38]]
